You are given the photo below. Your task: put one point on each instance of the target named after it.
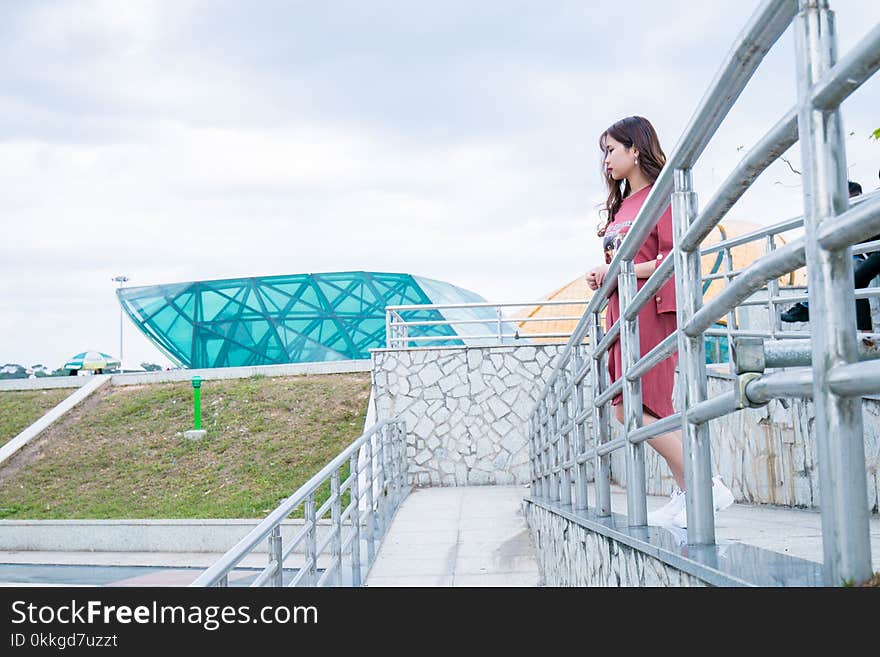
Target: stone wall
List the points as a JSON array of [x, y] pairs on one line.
[[466, 409], [571, 555]]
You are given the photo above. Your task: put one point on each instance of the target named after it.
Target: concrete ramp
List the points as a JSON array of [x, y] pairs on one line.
[[458, 536]]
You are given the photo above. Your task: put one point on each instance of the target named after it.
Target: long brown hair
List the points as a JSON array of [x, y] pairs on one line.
[[632, 131]]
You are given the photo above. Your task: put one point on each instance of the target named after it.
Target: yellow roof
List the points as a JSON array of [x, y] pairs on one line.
[[577, 290]]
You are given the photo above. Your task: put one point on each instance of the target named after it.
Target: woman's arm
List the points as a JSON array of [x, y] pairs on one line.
[[595, 277], [645, 269]]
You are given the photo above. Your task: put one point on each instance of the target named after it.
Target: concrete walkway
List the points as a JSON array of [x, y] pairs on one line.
[[795, 532], [458, 536]]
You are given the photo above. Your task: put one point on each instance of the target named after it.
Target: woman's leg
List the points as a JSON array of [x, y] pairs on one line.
[[668, 445]]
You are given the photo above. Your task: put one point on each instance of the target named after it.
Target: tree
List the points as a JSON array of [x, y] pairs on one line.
[[151, 367], [13, 371]]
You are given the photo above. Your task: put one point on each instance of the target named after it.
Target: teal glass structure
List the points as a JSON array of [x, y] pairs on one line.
[[292, 318]]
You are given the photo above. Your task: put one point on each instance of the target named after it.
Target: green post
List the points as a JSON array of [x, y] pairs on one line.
[[197, 403]]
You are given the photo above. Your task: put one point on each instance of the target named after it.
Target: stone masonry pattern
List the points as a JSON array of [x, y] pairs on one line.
[[571, 555], [466, 409]]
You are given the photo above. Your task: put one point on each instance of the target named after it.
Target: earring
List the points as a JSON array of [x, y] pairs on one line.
[[636, 161]]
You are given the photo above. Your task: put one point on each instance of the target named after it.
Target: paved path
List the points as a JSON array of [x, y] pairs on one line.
[[458, 536], [795, 532]]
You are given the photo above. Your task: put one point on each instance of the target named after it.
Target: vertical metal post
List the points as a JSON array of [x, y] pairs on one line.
[[355, 518], [336, 526], [498, 314], [692, 369], [370, 529], [397, 491], [564, 439], [539, 482], [383, 482], [404, 458], [838, 423], [379, 474], [533, 455], [311, 541], [580, 431], [275, 556], [540, 490], [636, 495], [772, 291], [601, 421], [121, 280], [553, 440], [223, 582], [399, 455], [387, 328], [197, 402], [545, 448], [732, 322], [121, 357]]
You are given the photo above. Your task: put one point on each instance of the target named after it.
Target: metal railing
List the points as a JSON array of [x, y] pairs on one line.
[[403, 333], [567, 430], [372, 474], [772, 295]]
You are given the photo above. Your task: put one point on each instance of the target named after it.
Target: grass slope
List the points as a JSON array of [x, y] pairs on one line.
[[121, 454], [21, 408]]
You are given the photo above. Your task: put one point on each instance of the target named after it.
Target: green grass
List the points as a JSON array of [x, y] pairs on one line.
[[21, 408], [123, 455]]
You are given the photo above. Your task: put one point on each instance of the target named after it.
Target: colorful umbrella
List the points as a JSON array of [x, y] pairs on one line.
[[91, 360]]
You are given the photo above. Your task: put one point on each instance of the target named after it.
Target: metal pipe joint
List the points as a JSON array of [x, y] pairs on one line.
[[748, 355], [742, 397]]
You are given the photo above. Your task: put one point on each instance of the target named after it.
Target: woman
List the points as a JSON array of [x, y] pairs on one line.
[[632, 161]]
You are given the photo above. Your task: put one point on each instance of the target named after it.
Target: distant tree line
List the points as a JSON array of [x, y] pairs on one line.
[[17, 371]]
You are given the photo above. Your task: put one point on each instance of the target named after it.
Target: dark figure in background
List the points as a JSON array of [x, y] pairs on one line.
[[865, 268], [865, 272]]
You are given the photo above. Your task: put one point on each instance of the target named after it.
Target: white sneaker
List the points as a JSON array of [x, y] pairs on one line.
[[722, 497], [670, 510]]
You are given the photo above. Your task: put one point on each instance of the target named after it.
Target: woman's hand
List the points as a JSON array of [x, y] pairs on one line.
[[595, 277]]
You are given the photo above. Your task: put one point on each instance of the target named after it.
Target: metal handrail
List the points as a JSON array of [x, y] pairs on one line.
[[835, 380], [484, 304], [397, 329], [483, 336], [383, 449]]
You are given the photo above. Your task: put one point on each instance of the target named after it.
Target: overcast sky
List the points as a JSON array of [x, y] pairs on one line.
[[186, 140]]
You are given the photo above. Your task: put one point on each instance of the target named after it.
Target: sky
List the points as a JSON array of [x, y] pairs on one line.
[[185, 140]]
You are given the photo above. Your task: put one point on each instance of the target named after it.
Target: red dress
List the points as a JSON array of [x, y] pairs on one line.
[[657, 318]]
